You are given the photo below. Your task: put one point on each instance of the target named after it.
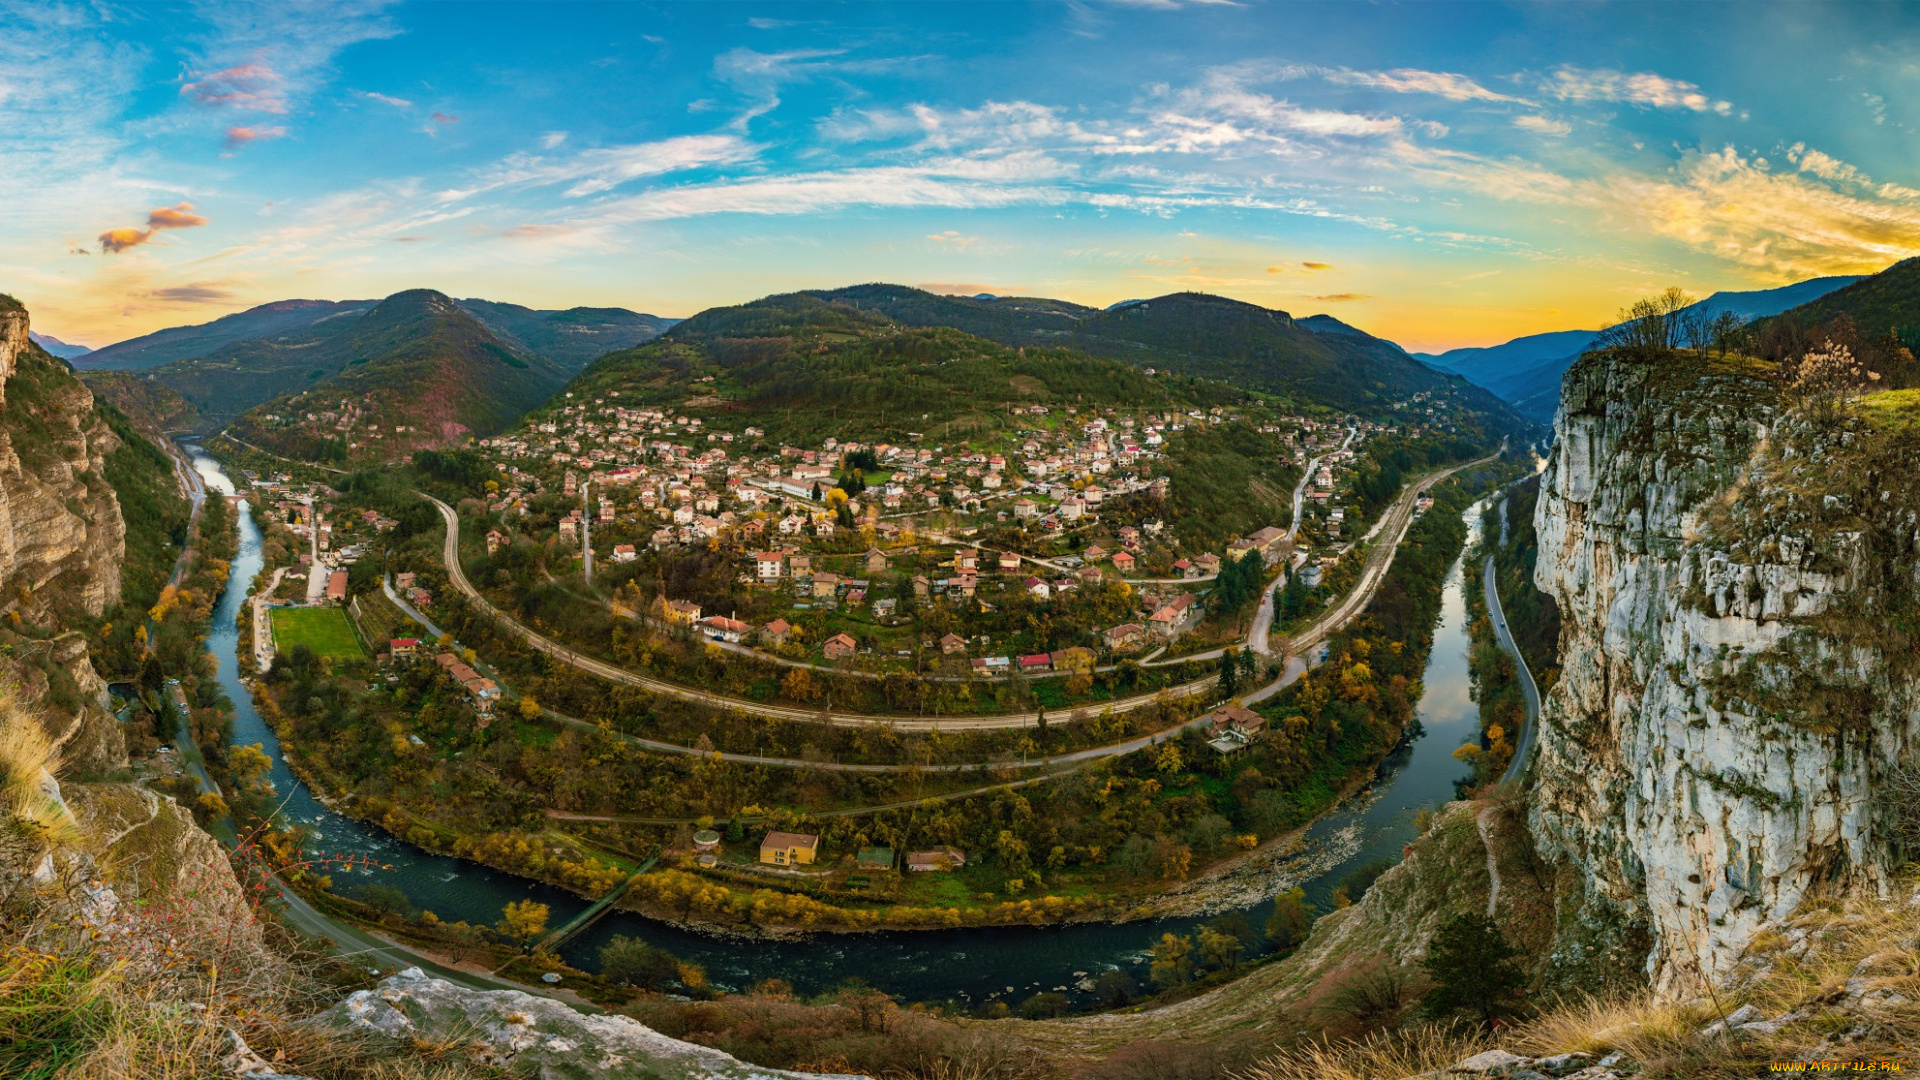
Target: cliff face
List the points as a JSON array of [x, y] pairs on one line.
[[1735, 581], [58, 517]]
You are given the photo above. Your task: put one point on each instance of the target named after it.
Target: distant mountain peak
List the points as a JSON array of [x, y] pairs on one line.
[[57, 347]]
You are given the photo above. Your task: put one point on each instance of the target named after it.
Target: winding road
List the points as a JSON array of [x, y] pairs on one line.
[[1522, 752], [1393, 524]]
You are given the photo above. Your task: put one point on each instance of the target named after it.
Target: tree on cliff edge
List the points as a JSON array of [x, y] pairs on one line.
[[1471, 964]]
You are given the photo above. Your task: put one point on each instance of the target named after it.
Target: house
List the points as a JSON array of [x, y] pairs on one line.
[[789, 849], [938, 860], [952, 644], [1208, 564], [1075, 659], [337, 587], [839, 647], [824, 585], [404, 580], [1123, 561], [681, 612], [1176, 616], [876, 560], [875, 858], [1233, 728], [775, 632], [1234, 716], [1124, 636], [1036, 662], [494, 539], [624, 553], [403, 648], [922, 588], [721, 628], [768, 565], [1009, 561]]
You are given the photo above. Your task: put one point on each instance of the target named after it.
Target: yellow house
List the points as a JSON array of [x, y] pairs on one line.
[[789, 849]]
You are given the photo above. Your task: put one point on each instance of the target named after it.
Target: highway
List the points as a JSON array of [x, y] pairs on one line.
[[1523, 750]]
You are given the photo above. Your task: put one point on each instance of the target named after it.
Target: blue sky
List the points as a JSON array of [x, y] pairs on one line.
[[1442, 174]]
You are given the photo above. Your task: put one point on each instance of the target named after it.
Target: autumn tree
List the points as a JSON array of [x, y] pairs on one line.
[[523, 921], [1172, 961], [1291, 919]]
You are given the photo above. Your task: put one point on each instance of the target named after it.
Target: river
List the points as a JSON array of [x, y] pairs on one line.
[[969, 965]]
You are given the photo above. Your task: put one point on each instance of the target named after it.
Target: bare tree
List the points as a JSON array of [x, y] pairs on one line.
[[1654, 325]]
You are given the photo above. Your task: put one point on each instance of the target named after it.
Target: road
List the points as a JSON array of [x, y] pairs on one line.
[[1073, 758], [458, 576], [1300, 489], [1522, 751], [1394, 523]]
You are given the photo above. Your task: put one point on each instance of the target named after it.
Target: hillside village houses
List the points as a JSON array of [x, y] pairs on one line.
[[666, 480]]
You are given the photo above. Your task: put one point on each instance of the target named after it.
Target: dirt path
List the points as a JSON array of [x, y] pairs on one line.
[[1493, 862]]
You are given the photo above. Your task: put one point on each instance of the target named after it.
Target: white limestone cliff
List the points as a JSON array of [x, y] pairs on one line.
[[1732, 694]]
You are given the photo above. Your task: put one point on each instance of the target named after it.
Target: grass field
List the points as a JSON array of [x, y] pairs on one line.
[[322, 629]]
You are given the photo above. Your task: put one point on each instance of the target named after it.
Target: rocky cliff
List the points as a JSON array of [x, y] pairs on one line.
[[59, 519], [1736, 577]]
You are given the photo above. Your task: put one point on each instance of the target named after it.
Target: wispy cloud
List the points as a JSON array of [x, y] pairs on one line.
[[126, 238], [1542, 125], [953, 238], [589, 172], [386, 99], [246, 86], [238, 136], [1442, 84], [199, 292], [1341, 298], [1645, 89]]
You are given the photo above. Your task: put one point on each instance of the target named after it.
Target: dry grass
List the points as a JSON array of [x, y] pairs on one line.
[[1408, 1052], [27, 756], [1818, 969]]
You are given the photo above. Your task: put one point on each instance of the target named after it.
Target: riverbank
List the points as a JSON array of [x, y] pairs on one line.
[[972, 968]]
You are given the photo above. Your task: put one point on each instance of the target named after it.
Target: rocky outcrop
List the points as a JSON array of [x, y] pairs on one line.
[[534, 1036], [1734, 685], [59, 518]]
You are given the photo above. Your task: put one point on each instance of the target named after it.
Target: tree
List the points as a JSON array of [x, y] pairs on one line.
[[529, 709], [637, 963], [1114, 988], [523, 920], [1291, 920], [387, 899], [1172, 961], [1657, 324], [1220, 950], [1471, 964]]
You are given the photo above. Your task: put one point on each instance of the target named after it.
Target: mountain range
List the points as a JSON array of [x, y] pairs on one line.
[[489, 362], [417, 369], [1316, 361], [1526, 371], [55, 347]]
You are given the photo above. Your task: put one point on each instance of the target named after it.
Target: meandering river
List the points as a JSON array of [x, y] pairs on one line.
[[970, 965]]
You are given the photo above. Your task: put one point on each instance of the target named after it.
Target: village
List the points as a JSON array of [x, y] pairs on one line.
[[877, 556]]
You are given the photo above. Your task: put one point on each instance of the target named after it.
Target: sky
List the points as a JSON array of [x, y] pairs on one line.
[[1438, 174]]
